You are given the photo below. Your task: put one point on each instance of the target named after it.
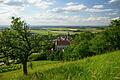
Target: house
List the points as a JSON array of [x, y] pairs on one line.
[[61, 43]]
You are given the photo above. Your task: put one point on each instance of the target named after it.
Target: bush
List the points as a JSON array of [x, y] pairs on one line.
[[56, 55], [9, 68], [80, 47], [100, 44], [36, 57]]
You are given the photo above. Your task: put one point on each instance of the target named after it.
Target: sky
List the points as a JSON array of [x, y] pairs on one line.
[[60, 12]]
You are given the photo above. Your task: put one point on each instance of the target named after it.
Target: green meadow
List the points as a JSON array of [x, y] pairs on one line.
[[100, 67], [57, 31]]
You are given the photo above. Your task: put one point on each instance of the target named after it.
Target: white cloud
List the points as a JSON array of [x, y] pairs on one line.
[[6, 19], [9, 8], [115, 18], [7, 11], [71, 3], [14, 2], [110, 14], [3, 9], [97, 10], [42, 4], [73, 8], [59, 19], [98, 6], [70, 8], [16, 7], [113, 1], [92, 18], [1, 1], [32, 1]]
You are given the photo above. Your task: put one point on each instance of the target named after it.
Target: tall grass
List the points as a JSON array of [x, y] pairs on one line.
[[101, 67]]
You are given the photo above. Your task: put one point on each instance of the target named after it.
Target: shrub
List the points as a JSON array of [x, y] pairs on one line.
[[38, 56], [80, 47], [57, 55], [9, 68]]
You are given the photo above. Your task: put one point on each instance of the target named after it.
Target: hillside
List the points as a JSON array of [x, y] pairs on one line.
[[101, 67]]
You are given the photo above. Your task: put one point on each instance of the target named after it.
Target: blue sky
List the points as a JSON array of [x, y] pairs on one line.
[[60, 12]]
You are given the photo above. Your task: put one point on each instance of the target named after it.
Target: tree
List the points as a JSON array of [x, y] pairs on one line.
[[21, 42], [5, 51], [107, 40], [114, 33], [115, 23], [100, 44], [85, 36], [79, 47]]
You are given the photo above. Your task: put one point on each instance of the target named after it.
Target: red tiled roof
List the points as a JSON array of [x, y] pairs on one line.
[[63, 42]]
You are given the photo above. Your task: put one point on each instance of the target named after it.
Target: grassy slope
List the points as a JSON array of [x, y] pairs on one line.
[[101, 67]]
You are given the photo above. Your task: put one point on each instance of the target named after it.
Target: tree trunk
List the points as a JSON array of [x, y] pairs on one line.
[[25, 68]]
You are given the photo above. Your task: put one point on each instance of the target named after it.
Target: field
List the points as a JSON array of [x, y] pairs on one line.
[[101, 67], [64, 31], [57, 31]]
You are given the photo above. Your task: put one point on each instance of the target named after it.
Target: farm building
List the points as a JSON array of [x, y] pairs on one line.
[[62, 42]]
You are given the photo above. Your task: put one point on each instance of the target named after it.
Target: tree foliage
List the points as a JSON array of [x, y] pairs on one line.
[[19, 43], [115, 23], [80, 47], [89, 44]]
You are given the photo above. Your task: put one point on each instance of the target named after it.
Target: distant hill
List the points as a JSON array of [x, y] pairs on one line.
[[45, 27], [3, 26]]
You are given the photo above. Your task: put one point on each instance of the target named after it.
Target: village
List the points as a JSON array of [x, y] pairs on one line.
[[59, 39]]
